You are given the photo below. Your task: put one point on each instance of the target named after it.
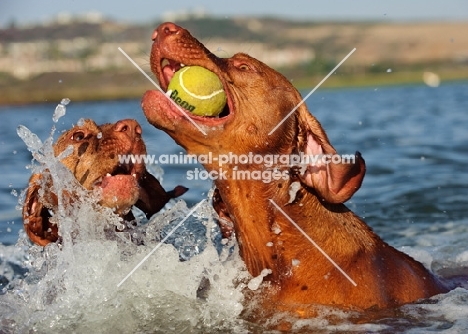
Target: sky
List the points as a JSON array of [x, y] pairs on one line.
[[33, 11]]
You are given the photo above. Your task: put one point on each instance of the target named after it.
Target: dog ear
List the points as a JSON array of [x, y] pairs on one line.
[[36, 216], [153, 197], [334, 180]]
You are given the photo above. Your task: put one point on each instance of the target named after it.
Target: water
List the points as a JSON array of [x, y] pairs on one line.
[[414, 195]]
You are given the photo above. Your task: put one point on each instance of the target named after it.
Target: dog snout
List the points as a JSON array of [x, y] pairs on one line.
[[164, 30], [129, 127]]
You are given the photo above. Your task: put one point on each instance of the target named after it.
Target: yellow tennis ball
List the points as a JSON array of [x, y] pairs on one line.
[[197, 90]]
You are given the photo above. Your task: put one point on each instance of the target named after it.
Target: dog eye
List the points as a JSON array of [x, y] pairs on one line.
[[78, 136], [244, 67]]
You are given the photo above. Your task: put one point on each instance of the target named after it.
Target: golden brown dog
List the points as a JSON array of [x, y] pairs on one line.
[[95, 164], [259, 98]]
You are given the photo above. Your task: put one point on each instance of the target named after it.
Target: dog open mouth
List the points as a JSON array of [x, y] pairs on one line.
[[174, 48], [121, 172], [165, 72], [119, 189]]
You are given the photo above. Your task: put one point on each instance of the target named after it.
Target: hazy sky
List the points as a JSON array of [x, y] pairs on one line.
[[25, 11]]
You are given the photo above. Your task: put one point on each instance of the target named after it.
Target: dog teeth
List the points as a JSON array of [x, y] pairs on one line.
[[164, 62], [169, 92], [98, 181], [182, 65], [134, 175]]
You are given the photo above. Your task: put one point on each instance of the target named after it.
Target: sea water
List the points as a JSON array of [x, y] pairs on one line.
[[414, 196], [78, 284]]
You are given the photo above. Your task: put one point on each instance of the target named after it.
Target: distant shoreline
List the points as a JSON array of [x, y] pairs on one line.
[[117, 86], [89, 66]]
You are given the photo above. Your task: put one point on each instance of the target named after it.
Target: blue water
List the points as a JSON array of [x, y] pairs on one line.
[[38, 118], [414, 140]]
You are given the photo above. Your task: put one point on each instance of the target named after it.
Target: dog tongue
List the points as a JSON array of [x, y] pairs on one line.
[[168, 72], [119, 192]]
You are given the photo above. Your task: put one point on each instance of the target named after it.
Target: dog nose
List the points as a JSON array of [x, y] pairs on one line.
[[128, 126], [165, 29]]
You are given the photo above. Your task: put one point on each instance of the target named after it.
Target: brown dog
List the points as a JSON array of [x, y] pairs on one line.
[[259, 99], [95, 164]]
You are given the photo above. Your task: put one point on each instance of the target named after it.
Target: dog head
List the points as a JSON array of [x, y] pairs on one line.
[[95, 159], [264, 114]]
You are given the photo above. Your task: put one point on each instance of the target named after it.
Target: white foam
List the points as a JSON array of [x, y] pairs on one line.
[[31, 140], [73, 288], [462, 257], [255, 282]]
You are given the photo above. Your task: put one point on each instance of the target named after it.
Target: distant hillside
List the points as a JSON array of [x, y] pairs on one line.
[[395, 42], [301, 50]]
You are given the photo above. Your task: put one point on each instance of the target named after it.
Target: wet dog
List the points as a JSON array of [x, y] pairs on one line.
[[94, 162], [354, 268]]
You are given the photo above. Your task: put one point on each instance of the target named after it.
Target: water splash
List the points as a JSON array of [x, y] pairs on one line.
[[72, 287], [31, 140], [74, 284], [60, 110]]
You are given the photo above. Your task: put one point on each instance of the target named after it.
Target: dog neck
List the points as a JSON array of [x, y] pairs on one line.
[[278, 228]]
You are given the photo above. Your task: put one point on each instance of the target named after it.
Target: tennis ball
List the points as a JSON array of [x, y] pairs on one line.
[[198, 90]]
